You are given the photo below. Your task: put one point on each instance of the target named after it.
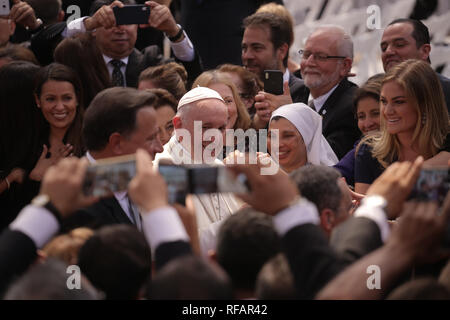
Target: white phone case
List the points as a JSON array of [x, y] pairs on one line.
[[4, 7]]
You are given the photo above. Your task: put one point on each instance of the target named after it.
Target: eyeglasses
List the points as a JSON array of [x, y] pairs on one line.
[[317, 56]]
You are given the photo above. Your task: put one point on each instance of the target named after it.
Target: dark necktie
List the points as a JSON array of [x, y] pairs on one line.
[[311, 105], [135, 215], [117, 75]]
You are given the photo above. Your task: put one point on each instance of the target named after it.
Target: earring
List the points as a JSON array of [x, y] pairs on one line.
[[424, 119]]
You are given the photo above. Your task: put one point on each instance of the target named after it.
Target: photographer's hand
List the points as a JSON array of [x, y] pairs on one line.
[[63, 182], [103, 17], [266, 103], [22, 13], [269, 193], [162, 19]]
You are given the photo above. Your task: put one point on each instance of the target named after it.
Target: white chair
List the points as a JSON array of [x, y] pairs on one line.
[[303, 11]]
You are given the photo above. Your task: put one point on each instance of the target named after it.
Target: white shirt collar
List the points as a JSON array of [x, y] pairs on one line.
[[108, 60], [286, 76], [320, 101], [90, 158]]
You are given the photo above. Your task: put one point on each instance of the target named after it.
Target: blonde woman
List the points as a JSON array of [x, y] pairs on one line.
[[414, 122]]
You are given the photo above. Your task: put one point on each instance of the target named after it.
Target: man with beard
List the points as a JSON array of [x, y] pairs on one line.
[[325, 64], [265, 46]]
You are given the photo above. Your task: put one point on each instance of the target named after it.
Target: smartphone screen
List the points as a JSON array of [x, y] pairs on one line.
[[177, 180], [273, 81], [203, 180], [432, 185], [5, 7], [206, 179], [132, 14], [110, 175]]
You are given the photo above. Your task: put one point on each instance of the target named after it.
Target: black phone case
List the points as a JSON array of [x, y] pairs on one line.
[[132, 14], [273, 81]]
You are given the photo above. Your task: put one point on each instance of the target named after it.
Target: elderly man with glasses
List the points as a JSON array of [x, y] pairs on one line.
[[325, 64]]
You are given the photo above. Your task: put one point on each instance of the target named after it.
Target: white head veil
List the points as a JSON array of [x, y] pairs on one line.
[[309, 124]]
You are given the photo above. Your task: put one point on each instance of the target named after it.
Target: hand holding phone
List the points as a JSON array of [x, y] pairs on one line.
[[198, 179]]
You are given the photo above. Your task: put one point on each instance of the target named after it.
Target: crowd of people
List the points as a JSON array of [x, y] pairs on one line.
[[76, 94]]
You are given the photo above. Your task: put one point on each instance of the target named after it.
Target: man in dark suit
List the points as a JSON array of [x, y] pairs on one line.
[[265, 46], [61, 195], [117, 42], [326, 62], [405, 39], [117, 122]]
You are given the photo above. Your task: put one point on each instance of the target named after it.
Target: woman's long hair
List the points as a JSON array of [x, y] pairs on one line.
[[423, 90], [19, 117]]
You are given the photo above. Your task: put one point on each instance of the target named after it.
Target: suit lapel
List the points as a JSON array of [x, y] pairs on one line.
[[334, 97], [132, 72], [116, 211]]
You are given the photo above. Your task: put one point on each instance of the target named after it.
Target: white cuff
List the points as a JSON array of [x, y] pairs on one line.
[[163, 225], [377, 215], [75, 26], [183, 50], [303, 212], [37, 223]]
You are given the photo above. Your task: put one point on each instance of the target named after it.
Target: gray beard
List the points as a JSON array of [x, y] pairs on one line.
[[322, 81]]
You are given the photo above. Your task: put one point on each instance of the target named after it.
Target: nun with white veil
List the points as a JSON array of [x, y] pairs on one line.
[[295, 138]]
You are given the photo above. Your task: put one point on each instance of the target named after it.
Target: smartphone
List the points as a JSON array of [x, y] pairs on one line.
[[132, 14], [177, 180], [199, 179], [273, 82], [110, 175], [432, 185], [5, 7]]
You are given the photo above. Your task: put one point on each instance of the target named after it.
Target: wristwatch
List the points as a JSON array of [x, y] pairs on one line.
[[43, 201], [178, 36], [375, 201]]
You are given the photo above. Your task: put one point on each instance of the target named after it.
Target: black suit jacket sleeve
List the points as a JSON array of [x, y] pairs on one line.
[[355, 238], [17, 253], [313, 262]]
